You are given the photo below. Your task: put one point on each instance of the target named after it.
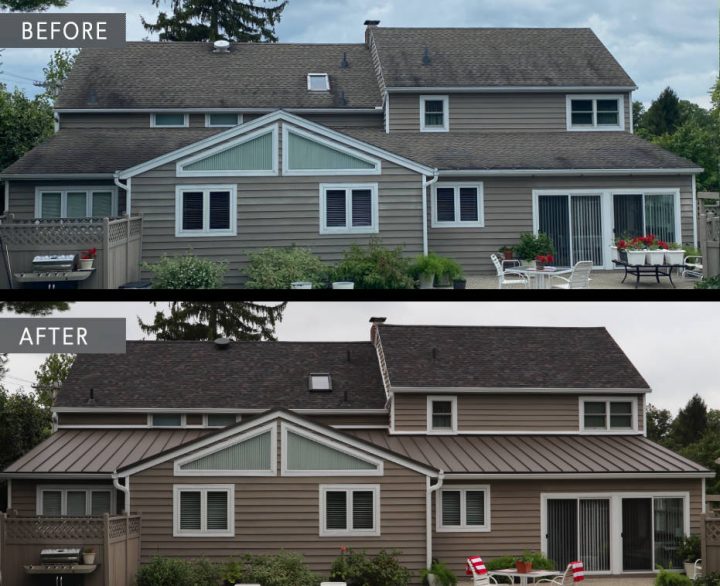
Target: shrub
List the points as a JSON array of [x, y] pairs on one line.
[[357, 569], [532, 246], [709, 580], [278, 268], [539, 561], [665, 578], [689, 548], [375, 267], [270, 570], [178, 572], [187, 272], [712, 283], [441, 572]]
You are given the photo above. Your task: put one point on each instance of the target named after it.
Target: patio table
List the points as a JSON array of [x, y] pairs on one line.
[[534, 574], [540, 279], [645, 271]]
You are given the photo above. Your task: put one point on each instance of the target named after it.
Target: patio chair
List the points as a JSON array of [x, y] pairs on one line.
[[694, 268], [698, 569], [476, 569], [575, 570], [507, 277], [579, 278]]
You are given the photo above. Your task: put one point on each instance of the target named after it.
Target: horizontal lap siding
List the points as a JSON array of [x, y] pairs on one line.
[[333, 420], [22, 194], [341, 120]]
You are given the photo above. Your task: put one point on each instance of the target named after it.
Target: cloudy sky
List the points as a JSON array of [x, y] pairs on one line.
[[674, 345], [660, 42]]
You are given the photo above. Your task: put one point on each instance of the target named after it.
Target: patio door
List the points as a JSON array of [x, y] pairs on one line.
[[650, 213], [651, 531]]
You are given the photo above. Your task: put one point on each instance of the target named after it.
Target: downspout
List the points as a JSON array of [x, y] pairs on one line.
[[426, 184], [125, 490], [696, 244], [127, 188], [9, 494], [428, 515], [7, 198]]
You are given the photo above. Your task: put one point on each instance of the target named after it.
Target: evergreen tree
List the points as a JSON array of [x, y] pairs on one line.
[[210, 321], [210, 20], [691, 423], [31, 5], [664, 115]]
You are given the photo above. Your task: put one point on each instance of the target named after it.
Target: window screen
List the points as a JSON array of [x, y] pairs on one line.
[[221, 419], [219, 210], [363, 506], [608, 113], [76, 204], [52, 503], [621, 415], [76, 503], [362, 208], [336, 510], [102, 204], [192, 210], [336, 211], [190, 511], [446, 204], [435, 113], [50, 205], [595, 416], [469, 211], [100, 503], [582, 112], [475, 507], [451, 508], [217, 511]]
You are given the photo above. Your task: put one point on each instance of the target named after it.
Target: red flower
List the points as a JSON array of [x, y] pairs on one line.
[[663, 245], [344, 549], [622, 245]]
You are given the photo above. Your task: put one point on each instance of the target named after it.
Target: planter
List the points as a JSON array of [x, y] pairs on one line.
[[343, 285], [539, 266], [523, 567], [508, 253], [89, 559], [637, 258], [426, 281], [301, 285], [623, 255], [433, 580], [656, 257], [529, 264], [690, 569], [459, 284], [675, 257], [86, 264], [442, 282], [615, 253]]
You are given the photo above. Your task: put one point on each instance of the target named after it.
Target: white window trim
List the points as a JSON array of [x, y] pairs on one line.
[[349, 489], [480, 223], [349, 188], [234, 440], [377, 164], [206, 418], [463, 527], [327, 82], [446, 113], [607, 400], [445, 398], [180, 166], [205, 232], [64, 489], [154, 124], [203, 489], [63, 191], [595, 127], [285, 471], [208, 118]]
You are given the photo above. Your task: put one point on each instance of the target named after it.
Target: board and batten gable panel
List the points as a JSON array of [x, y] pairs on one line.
[[22, 194]]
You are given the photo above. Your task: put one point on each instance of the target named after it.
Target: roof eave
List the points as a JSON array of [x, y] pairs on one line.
[[522, 390], [56, 476], [576, 475], [55, 176], [571, 172], [510, 88]]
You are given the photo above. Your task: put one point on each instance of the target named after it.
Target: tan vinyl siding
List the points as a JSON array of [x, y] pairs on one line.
[[22, 194], [359, 419], [515, 515], [345, 120], [108, 419]]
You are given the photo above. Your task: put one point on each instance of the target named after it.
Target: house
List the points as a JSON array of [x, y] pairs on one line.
[[437, 441], [454, 141]]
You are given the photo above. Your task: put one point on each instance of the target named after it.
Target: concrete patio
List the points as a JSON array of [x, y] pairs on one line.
[[614, 581], [600, 280]]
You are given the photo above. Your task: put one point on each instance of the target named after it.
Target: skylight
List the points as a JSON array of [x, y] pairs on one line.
[[320, 382], [318, 82]]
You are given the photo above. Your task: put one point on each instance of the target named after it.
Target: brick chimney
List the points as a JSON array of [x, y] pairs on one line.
[[369, 26]]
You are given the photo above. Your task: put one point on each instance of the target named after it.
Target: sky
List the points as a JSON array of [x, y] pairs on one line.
[[673, 345], [659, 42]]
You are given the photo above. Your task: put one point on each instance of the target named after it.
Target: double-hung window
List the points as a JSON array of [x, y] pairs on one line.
[[349, 510], [349, 209], [169, 120], [434, 113], [442, 414], [203, 510], [609, 415], [74, 502], [76, 203], [206, 211], [458, 205], [596, 112], [464, 509]]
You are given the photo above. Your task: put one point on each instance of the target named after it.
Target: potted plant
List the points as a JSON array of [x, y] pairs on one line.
[[425, 269], [637, 252], [675, 255], [507, 252], [343, 285], [88, 554], [438, 574], [532, 246], [618, 248], [656, 253], [689, 551], [543, 261], [460, 283], [87, 258], [447, 270], [524, 563]]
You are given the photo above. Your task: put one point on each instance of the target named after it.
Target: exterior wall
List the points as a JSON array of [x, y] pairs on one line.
[[515, 512], [509, 213], [22, 194], [24, 493], [491, 112], [500, 412], [344, 420]]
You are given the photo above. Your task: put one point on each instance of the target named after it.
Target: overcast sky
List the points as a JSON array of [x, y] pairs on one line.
[[659, 42], [675, 346]]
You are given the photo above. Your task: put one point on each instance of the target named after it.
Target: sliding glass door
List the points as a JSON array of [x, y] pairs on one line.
[[640, 214], [637, 535]]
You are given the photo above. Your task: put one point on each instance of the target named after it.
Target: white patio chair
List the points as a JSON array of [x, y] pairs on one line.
[[694, 268], [698, 569], [508, 278], [575, 572], [476, 568], [579, 278]]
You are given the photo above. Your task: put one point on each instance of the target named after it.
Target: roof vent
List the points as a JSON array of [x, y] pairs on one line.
[[91, 400], [426, 57], [92, 97], [435, 353], [343, 100], [221, 46], [372, 23], [378, 320], [320, 383], [345, 64], [222, 344]]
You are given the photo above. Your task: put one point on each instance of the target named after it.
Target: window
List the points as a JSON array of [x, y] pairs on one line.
[[434, 113], [442, 414], [464, 509], [221, 419], [203, 511], [222, 120], [167, 420], [320, 382], [76, 203], [173, 120], [609, 415], [458, 205], [74, 501], [349, 510], [206, 211], [596, 112], [349, 209], [318, 82]]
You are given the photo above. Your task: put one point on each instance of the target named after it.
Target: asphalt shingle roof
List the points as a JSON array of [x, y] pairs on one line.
[[497, 57], [506, 357]]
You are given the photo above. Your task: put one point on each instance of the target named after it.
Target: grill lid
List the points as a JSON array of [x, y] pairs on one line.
[[56, 262]]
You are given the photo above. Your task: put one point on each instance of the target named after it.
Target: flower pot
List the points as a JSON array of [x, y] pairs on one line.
[[89, 559], [433, 580], [690, 569], [523, 567], [656, 257], [426, 281], [301, 285], [86, 264], [636, 258], [459, 284], [442, 282], [675, 257], [508, 253], [529, 264], [615, 253], [343, 285]]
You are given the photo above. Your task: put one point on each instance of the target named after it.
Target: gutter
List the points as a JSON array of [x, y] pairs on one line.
[[123, 489], [696, 239], [566, 172], [428, 515], [514, 89], [426, 184], [128, 189]]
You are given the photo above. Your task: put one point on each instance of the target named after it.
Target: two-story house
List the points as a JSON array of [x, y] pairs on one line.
[[437, 441], [447, 140]]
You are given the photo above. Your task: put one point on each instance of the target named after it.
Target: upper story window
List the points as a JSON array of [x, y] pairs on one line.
[[74, 502], [349, 510], [464, 509], [76, 203], [442, 414], [206, 211], [349, 209], [434, 113], [204, 511], [222, 120], [458, 206], [170, 120], [221, 419], [618, 415], [166, 420], [318, 82], [596, 113]]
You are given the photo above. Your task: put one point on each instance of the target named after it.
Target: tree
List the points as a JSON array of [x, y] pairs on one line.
[[691, 423], [638, 114], [659, 424], [56, 72], [664, 115], [210, 20], [209, 321], [31, 5], [24, 123], [51, 375]]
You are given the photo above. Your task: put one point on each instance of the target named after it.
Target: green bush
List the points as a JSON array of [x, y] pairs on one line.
[[689, 548], [278, 268], [539, 561], [178, 572], [713, 283], [445, 269], [187, 272], [375, 267], [709, 580], [357, 569], [270, 570], [532, 246], [441, 572], [665, 578]]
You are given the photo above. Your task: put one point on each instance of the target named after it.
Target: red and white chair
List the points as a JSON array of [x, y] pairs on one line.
[[476, 568], [575, 570]]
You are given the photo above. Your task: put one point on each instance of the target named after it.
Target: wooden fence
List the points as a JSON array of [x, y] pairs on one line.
[[118, 242], [709, 232], [115, 539]]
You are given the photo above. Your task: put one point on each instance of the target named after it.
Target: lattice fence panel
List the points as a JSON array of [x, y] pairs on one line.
[[712, 531], [52, 234], [135, 526], [34, 529], [118, 231], [135, 227], [117, 528]]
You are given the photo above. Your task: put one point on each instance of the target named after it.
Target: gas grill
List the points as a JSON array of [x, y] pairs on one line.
[[57, 271], [58, 263], [62, 557], [60, 567]]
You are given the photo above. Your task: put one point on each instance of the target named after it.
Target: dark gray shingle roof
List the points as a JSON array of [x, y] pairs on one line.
[[506, 357], [247, 375], [497, 57]]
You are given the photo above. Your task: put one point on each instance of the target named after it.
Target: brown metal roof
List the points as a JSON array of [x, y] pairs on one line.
[[533, 454], [98, 451]]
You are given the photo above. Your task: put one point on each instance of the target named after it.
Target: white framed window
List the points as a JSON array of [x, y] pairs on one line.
[[166, 420], [463, 509], [74, 501], [458, 205], [349, 510], [169, 120], [72, 202], [318, 82], [607, 415], [204, 510], [349, 209], [205, 210], [442, 416], [434, 113], [220, 419], [222, 120], [595, 113]]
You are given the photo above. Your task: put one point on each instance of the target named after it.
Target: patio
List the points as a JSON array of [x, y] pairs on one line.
[[617, 581], [600, 280]]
